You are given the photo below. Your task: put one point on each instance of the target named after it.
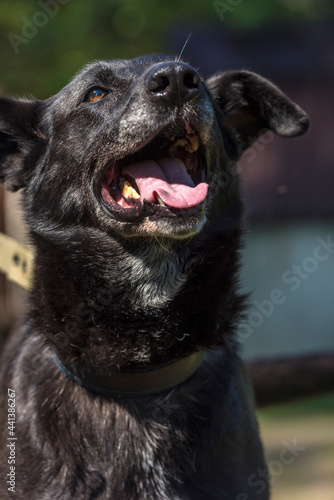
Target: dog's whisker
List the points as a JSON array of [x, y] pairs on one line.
[[161, 245], [184, 46]]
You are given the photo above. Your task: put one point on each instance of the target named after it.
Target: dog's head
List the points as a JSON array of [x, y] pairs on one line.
[[139, 147]]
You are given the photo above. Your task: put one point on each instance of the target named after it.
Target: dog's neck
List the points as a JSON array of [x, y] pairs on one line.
[[129, 306], [155, 275]]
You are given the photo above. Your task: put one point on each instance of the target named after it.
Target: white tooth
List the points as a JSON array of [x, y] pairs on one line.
[[129, 192], [182, 142], [159, 200], [190, 143], [194, 143], [188, 128]]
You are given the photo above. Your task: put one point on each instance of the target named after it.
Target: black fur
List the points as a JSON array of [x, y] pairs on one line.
[[125, 290]]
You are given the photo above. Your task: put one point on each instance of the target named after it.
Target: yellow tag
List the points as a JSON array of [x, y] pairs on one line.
[[16, 261]]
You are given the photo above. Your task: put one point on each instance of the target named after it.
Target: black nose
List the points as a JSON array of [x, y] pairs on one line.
[[173, 82]]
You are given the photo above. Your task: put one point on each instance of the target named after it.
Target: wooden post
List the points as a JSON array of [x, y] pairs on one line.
[[3, 284]]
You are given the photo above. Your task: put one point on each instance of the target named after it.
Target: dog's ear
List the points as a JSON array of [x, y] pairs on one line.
[[250, 105], [19, 136]]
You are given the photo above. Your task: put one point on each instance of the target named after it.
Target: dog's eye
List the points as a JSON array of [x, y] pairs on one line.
[[96, 95]]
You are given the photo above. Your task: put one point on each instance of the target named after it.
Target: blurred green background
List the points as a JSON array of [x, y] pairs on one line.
[[288, 189], [78, 31]]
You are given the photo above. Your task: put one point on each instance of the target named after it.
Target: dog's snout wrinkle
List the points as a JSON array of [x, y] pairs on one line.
[[173, 82]]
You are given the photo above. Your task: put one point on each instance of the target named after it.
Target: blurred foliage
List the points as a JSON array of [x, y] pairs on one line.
[[44, 42], [307, 408]]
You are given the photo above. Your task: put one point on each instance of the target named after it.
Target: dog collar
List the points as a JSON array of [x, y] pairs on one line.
[[138, 383]]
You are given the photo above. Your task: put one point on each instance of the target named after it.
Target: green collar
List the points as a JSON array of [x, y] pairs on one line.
[[139, 383]]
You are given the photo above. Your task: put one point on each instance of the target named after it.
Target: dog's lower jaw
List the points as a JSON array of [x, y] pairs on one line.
[[166, 229], [176, 227]]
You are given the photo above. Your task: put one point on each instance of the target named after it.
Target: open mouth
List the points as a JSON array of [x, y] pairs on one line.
[[166, 177]]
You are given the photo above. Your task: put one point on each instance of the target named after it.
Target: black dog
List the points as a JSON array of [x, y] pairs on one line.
[[123, 382]]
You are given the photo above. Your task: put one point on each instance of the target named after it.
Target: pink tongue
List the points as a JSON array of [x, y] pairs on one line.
[[168, 178]]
